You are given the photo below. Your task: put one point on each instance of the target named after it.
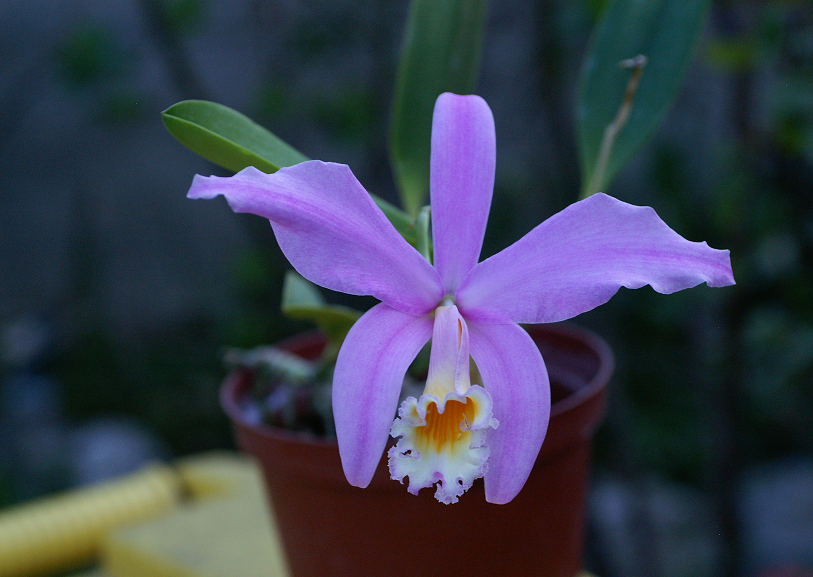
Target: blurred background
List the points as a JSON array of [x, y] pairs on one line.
[[118, 295]]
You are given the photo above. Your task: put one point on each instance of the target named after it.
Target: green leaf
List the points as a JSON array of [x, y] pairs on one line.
[[227, 138], [233, 141], [666, 32], [301, 300], [440, 53]]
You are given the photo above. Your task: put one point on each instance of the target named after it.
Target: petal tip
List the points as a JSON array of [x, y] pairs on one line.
[[200, 188]]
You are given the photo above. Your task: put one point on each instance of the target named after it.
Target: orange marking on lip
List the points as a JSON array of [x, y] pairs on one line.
[[442, 430]]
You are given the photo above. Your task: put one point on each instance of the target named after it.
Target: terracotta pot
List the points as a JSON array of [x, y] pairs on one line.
[[330, 528]]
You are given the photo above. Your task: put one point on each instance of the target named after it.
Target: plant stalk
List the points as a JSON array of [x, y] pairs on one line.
[[611, 131]]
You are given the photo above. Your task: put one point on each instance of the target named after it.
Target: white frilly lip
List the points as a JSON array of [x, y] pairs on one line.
[[453, 461]]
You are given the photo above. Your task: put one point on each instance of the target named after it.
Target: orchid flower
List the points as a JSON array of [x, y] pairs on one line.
[[334, 235]]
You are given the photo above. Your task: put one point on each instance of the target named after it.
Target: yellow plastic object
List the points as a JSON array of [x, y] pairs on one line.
[[219, 474], [56, 533], [224, 531]]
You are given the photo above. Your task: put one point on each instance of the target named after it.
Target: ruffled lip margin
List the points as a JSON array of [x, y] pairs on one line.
[[453, 464]]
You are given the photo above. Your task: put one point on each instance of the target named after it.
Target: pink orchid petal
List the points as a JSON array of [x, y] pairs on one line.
[[515, 375], [578, 259], [367, 383], [461, 183], [332, 232]]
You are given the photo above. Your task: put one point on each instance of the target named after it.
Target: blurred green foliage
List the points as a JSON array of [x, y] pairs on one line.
[[90, 54], [183, 16], [95, 64]]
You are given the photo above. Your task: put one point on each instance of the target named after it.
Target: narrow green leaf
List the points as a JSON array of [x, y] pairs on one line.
[[227, 138], [666, 32], [440, 53], [301, 300]]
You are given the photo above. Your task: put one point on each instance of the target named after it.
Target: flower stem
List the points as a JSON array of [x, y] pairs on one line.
[[611, 131]]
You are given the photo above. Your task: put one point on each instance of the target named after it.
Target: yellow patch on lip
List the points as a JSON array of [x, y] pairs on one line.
[[443, 431], [447, 448]]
